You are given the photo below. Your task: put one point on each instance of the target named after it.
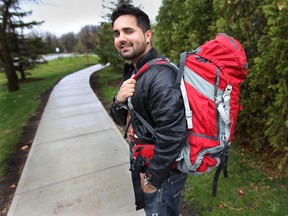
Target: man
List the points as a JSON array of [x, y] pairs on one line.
[[157, 99]]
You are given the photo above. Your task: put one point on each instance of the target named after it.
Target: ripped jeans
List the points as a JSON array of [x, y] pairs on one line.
[[165, 201]]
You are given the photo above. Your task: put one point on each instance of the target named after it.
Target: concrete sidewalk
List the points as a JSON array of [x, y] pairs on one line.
[[78, 163]]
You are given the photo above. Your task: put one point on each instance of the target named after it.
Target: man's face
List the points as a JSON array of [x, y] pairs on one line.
[[129, 39]]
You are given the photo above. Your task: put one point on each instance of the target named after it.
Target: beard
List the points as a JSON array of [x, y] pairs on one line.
[[133, 52]]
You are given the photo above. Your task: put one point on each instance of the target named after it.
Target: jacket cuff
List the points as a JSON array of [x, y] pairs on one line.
[[154, 179], [119, 114], [117, 103]]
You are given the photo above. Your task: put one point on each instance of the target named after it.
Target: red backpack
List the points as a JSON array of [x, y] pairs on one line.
[[209, 78]]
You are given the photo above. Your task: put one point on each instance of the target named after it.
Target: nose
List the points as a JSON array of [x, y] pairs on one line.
[[122, 38]]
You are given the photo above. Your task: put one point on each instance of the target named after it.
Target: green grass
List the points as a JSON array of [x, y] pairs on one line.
[[17, 107], [247, 190], [107, 83]]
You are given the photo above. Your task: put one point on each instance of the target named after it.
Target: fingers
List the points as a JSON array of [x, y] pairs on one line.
[[142, 176], [126, 90], [146, 188]]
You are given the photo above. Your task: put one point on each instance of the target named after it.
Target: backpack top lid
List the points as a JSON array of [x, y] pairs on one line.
[[228, 54]]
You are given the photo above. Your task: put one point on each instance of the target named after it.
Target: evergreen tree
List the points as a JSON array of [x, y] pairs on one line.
[[182, 26], [269, 81], [10, 20], [106, 50]]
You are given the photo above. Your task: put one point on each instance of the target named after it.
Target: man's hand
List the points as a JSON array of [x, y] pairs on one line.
[[146, 188], [126, 90]]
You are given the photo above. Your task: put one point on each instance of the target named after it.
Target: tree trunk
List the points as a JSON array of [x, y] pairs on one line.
[[12, 78], [13, 82], [22, 72]]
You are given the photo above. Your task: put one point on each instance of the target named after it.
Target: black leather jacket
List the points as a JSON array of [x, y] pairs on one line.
[[158, 100]]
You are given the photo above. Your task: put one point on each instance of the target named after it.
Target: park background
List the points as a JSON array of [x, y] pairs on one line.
[[257, 182]]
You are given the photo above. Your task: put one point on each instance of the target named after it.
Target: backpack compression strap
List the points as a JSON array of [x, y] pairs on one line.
[[180, 82]]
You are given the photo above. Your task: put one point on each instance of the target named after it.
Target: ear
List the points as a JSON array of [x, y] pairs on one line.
[[148, 36]]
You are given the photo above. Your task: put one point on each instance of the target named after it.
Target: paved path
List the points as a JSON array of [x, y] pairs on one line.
[[78, 163]]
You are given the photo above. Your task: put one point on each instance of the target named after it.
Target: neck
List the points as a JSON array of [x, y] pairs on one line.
[[135, 61]]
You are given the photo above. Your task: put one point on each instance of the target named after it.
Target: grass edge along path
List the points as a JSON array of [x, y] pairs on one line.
[[17, 107], [246, 191]]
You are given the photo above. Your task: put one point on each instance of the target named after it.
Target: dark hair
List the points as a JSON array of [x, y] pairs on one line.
[[142, 18]]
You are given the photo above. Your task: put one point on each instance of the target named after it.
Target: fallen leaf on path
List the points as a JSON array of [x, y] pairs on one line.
[[23, 148]]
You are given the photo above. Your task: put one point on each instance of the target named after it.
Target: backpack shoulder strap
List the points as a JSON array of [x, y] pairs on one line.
[[183, 57], [144, 122], [180, 83], [143, 69], [154, 62]]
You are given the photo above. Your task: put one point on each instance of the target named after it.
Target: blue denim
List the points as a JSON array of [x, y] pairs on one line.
[[165, 201]]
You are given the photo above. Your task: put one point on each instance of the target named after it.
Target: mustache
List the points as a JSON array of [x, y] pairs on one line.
[[125, 44]]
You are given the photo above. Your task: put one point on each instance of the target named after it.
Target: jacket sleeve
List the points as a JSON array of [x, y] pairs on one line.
[[119, 113], [170, 126]]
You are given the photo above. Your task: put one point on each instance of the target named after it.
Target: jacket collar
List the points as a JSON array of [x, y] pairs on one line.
[[151, 54]]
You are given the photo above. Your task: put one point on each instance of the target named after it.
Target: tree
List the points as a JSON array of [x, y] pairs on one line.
[[87, 37], [50, 41], [106, 50], [191, 19], [5, 54], [69, 42], [269, 80], [10, 19]]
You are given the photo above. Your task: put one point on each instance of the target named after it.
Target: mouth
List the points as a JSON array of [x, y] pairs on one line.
[[124, 47]]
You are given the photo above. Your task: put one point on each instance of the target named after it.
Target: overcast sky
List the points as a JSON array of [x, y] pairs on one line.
[[63, 16]]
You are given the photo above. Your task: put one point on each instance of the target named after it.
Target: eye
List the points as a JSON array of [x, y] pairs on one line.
[[129, 31], [116, 34]]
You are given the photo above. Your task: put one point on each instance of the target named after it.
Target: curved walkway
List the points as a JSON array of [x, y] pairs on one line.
[[78, 163]]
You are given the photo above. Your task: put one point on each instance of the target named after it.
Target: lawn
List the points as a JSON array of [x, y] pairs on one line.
[[17, 107], [248, 190]]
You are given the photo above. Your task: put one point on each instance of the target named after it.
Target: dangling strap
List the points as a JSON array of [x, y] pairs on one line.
[[222, 166], [136, 179]]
